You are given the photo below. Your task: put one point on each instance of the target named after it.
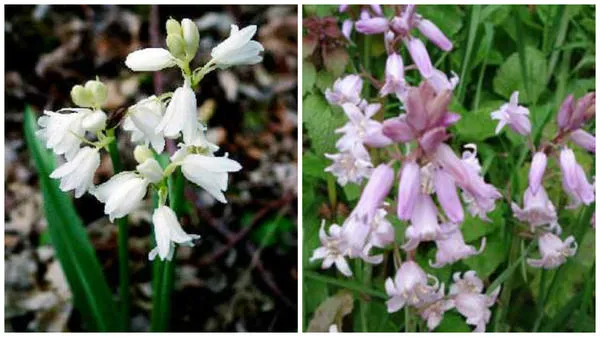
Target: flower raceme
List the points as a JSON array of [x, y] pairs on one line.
[[149, 122]]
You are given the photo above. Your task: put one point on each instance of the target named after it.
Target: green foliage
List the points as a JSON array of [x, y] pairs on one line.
[[92, 296]]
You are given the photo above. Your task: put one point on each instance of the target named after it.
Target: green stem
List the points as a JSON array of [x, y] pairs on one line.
[[122, 242], [164, 271], [332, 194], [353, 286]]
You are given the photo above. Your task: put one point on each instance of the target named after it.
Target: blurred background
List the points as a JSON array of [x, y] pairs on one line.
[[242, 275]]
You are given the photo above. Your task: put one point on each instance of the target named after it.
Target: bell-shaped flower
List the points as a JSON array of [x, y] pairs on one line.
[[168, 232], [332, 250], [144, 117], [397, 129], [207, 171], [78, 173], [370, 26], [574, 180], [433, 312], [434, 34], [469, 300], [536, 172], [553, 251], [350, 166], [181, 115], [150, 59], [361, 129], [238, 48], [394, 77], [121, 194], [537, 209], [345, 90], [447, 196], [347, 26], [452, 247], [382, 231], [514, 115], [408, 189], [410, 287], [419, 55], [440, 82], [424, 225], [63, 132], [584, 139], [150, 169], [572, 115]]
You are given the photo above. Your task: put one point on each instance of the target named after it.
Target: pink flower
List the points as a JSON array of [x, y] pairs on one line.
[[420, 56], [372, 25], [584, 139], [434, 34], [361, 128], [382, 231], [452, 247], [470, 302], [345, 90], [332, 249], [394, 77], [409, 287], [424, 224], [447, 196], [347, 28], [350, 166], [408, 190], [574, 181], [571, 116], [433, 312], [538, 210], [513, 115], [536, 172], [440, 82], [398, 130], [553, 251]]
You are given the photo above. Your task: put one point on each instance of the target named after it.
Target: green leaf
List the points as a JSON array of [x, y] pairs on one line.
[[508, 77], [453, 322], [271, 230], [314, 166], [490, 259], [320, 123], [352, 191], [309, 75], [448, 18], [477, 125], [85, 276], [324, 80]]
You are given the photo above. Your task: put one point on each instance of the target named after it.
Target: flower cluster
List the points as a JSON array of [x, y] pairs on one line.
[[430, 174], [538, 211], [150, 122]]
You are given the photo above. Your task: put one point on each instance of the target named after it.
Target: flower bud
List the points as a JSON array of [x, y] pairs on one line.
[[82, 97], [141, 153], [584, 139], [150, 59], [191, 36], [445, 190], [565, 111], [94, 122], [372, 25], [408, 190], [419, 54], [151, 170], [176, 46], [538, 166], [98, 92], [434, 34], [173, 27]]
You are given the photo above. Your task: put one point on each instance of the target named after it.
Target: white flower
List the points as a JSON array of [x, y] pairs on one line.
[[168, 231], [121, 194], [151, 170], [150, 59], [238, 48], [554, 251], [142, 120], [181, 115], [345, 90], [62, 132], [207, 171], [332, 250], [78, 173], [433, 312], [350, 166]]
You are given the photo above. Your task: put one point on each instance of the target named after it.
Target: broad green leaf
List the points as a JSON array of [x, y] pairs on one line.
[[314, 166], [324, 80], [508, 78], [491, 258], [453, 322], [448, 18], [309, 75], [477, 125], [92, 295], [320, 123], [352, 191]]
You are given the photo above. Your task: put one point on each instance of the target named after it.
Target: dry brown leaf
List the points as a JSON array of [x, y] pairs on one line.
[[332, 310]]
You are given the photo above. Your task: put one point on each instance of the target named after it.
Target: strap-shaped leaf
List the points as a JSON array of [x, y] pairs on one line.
[[92, 296]]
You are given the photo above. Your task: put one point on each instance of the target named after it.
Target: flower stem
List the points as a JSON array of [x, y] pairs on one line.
[[122, 242]]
